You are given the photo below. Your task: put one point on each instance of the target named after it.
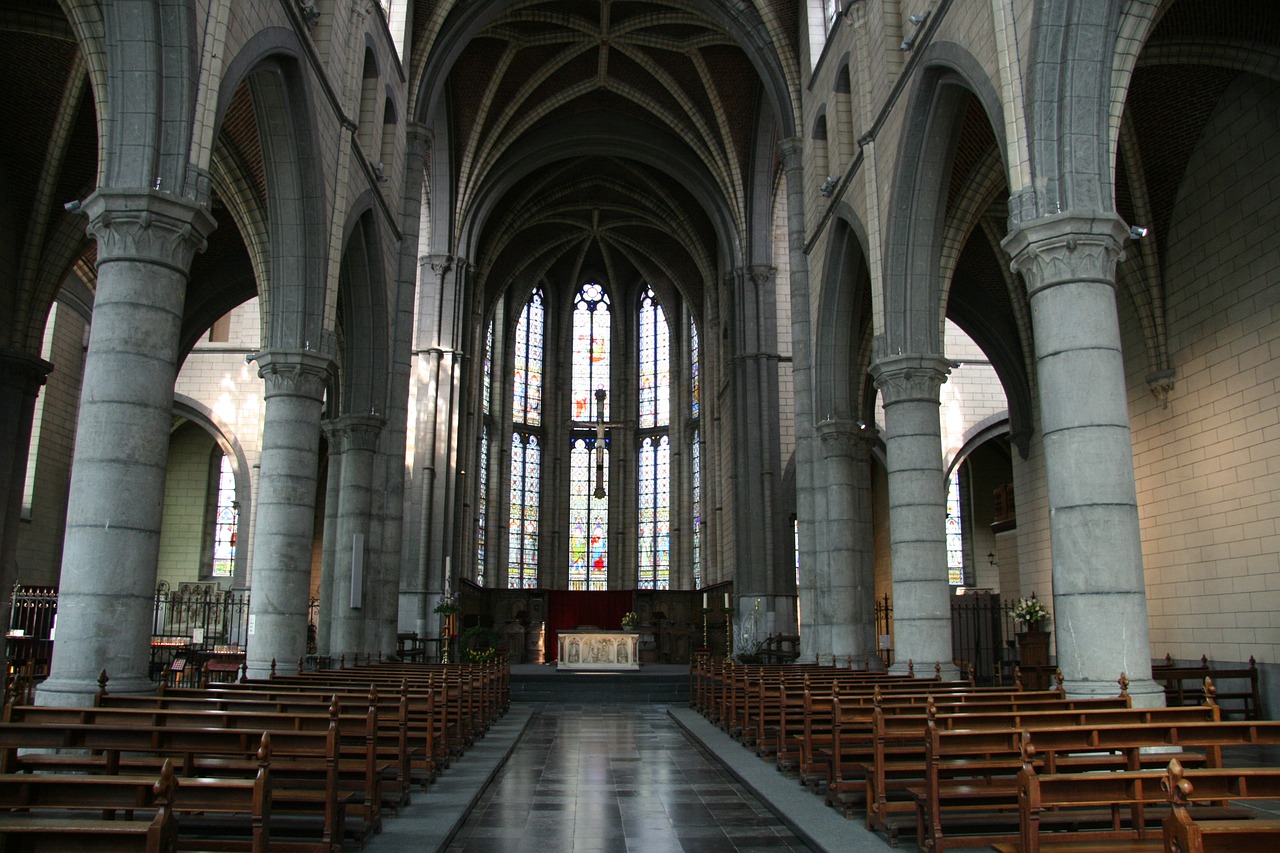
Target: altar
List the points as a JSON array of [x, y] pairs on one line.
[[593, 649]]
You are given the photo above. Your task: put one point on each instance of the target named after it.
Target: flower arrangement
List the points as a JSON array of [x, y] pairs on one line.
[[629, 620], [1030, 610], [447, 606]]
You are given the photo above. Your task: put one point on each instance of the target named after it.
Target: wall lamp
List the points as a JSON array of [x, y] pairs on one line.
[[915, 21], [1137, 232], [828, 186]]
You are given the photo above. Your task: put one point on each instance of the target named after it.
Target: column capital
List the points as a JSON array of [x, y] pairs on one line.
[[358, 432], [147, 226], [294, 373], [912, 376], [792, 151], [23, 371], [1067, 248], [843, 437]]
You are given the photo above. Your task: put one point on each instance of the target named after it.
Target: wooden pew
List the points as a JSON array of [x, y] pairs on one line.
[[40, 813], [305, 780], [1185, 833], [985, 800], [1235, 688], [1118, 811]]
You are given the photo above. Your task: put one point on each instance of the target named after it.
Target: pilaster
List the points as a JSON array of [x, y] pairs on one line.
[[351, 613]]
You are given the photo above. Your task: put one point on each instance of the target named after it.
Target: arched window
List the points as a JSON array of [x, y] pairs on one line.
[[955, 532], [226, 520], [482, 490], [653, 533], [695, 394], [589, 454], [526, 455]]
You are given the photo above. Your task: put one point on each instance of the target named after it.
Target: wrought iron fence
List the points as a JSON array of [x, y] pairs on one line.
[[193, 618], [983, 635]]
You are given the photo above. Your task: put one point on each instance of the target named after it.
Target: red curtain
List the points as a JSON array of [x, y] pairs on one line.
[[567, 609]]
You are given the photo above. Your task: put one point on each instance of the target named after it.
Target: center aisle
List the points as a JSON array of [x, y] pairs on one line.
[[617, 778]]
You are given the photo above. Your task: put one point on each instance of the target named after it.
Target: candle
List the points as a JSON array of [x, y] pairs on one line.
[[726, 601], [704, 601]]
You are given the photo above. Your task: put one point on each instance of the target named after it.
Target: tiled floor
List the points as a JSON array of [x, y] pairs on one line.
[[622, 778]]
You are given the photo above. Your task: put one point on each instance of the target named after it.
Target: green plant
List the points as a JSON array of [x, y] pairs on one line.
[[479, 643], [630, 620], [1029, 610], [447, 606]]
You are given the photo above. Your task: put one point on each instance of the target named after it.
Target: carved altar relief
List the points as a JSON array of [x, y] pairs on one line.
[[598, 650]]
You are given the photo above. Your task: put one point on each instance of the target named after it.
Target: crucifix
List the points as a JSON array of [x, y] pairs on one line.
[[600, 428]]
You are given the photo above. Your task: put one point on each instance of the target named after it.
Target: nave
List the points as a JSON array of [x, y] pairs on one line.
[[598, 778]]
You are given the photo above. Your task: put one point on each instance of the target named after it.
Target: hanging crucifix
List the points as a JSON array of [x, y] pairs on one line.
[[600, 427]]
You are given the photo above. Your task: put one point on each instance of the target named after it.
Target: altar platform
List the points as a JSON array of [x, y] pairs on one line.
[[652, 682]]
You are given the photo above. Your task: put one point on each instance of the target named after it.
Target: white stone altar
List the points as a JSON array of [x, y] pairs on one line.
[[598, 650]]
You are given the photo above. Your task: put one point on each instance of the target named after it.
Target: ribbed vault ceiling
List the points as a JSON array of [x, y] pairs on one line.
[[552, 69]]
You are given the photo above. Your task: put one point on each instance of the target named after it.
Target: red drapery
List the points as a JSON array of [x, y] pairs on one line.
[[567, 609]]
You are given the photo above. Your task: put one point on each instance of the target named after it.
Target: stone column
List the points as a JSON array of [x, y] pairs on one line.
[[352, 574], [329, 556], [917, 510], [146, 241], [1099, 596], [285, 525], [21, 376], [849, 591]]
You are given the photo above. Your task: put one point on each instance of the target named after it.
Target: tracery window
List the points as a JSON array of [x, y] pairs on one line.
[[588, 458], [226, 520], [653, 535], [955, 532], [526, 455], [695, 395], [482, 491]]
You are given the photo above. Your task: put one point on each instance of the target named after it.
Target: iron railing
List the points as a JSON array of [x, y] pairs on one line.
[[983, 636]]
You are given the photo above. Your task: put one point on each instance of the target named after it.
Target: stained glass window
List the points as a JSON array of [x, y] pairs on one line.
[[226, 520], [590, 351], [695, 356], [482, 503], [488, 368], [697, 510], [588, 518], [522, 531], [655, 363], [527, 404], [654, 533], [955, 538]]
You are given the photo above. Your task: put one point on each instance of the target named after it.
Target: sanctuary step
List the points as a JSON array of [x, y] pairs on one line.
[[652, 683]]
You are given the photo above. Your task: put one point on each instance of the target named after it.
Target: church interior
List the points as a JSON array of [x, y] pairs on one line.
[[920, 337]]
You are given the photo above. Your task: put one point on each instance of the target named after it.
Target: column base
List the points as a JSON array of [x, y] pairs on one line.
[[1143, 692], [78, 693]]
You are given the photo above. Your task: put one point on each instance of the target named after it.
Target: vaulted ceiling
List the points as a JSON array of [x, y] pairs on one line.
[[607, 138]]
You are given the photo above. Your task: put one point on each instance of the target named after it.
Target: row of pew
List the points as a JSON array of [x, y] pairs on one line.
[[306, 763], [954, 766]]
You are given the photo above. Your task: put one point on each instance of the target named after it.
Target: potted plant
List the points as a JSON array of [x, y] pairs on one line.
[[629, 621]]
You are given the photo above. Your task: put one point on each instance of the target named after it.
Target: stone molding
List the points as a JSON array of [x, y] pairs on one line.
[[23, 372], [358, 432], [846, 439], [294, 373], [910, 377], [1065, 249], [147, 226]]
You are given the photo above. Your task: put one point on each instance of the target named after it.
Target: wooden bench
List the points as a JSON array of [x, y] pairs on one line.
[[305, 780], [1130, 803], [49, 813], [1185, 833], [983, 800], [1235, 688]]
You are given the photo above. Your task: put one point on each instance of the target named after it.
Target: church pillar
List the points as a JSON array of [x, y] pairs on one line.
[[285, 524], [146, 241], [792, 151], [1099, 598], [765, 597], [917, 510], [441, 311], [353, 630], [21, 376], [849, 591], [329, 546]]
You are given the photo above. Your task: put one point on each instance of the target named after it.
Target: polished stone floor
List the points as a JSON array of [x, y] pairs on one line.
[[616, 778]]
